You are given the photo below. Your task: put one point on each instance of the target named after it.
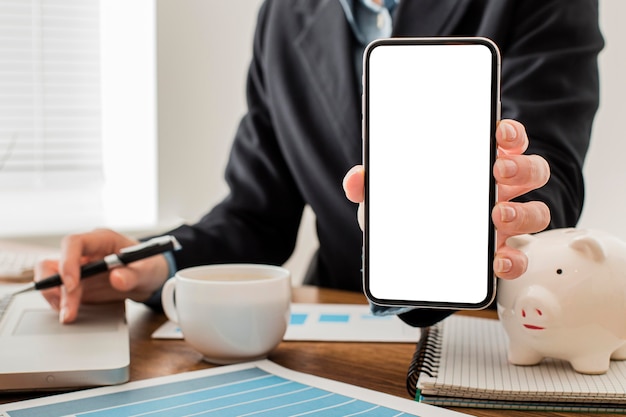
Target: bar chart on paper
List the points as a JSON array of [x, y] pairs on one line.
[[331, 322], [254, 389], [346, 323]]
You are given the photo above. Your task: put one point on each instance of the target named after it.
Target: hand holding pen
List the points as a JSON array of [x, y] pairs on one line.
[[127, 255], [137, 282]]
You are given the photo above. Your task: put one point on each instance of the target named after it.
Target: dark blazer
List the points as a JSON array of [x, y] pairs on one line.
[[302, 131]]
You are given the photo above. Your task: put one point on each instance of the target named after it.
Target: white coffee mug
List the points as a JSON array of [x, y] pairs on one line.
[[231, 312]]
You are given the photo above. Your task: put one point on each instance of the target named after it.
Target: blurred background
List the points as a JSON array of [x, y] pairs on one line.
[[160, 88]]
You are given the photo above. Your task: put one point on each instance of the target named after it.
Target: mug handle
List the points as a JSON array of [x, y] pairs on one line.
[[168, 301]]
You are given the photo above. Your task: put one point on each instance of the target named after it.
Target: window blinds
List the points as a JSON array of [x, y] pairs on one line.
[[50, 101]]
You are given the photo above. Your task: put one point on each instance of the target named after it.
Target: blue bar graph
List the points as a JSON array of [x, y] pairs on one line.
[[249, 392]]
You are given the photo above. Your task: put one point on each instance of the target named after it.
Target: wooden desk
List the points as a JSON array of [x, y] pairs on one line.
[[377, 366]]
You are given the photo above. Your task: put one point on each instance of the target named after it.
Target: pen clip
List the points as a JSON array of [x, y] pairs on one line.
[[157, 241], [147, 249]]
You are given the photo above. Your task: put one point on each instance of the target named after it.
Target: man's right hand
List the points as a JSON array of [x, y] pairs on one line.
[[137, 281]]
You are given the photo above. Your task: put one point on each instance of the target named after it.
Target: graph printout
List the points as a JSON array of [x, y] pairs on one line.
[[331, 323], [257, 389], [346, 323]]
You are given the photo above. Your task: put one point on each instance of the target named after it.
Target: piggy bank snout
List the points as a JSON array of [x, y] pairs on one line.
[[536, 307]]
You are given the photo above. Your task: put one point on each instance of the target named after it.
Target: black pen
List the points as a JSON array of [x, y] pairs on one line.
[[127, 255]]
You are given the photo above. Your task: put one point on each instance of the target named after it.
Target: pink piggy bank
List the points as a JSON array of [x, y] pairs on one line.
[[571, 302]]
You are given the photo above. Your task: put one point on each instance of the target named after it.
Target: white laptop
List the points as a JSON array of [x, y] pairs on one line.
[[37, 352]]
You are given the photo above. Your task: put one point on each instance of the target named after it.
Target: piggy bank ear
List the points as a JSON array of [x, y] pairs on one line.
[[519, 241], [589, 247]]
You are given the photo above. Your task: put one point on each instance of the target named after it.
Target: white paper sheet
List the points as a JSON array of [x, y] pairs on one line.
[[331, 322]]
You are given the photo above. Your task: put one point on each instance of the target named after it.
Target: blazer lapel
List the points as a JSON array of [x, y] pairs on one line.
[[325, 46]]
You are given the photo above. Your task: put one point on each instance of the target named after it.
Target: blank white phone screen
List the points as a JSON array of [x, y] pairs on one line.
[[430, 123]]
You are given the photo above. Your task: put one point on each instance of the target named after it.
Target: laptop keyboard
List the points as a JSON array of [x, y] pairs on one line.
[[17, 266], [5, 300]]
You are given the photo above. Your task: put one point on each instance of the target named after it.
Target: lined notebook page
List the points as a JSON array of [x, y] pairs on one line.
[[473, 364]]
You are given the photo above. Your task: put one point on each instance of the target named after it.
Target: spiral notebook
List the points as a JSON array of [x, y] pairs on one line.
[[462, 362]]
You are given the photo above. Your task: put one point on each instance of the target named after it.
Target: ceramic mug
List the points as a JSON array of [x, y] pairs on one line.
[[230, 312]]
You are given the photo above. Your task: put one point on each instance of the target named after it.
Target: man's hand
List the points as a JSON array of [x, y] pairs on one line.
[[137, 281], [515, 174]]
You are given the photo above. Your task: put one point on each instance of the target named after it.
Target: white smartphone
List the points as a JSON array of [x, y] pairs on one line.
[[430, 110]]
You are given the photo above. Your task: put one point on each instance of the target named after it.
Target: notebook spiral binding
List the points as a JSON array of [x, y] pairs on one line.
[[426, 357]]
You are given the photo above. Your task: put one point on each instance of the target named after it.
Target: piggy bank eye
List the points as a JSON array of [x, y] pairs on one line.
[[559, 271]]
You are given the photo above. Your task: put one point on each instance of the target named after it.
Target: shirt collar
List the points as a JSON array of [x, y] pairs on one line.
[[368, 19]]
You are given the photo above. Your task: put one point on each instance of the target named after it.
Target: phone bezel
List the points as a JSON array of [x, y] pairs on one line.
[[490, 280]]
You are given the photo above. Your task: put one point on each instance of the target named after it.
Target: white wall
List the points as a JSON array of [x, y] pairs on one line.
[[203, 49], [605, 167]]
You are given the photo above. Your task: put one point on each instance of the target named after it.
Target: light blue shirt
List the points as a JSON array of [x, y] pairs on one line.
[[369, 21]]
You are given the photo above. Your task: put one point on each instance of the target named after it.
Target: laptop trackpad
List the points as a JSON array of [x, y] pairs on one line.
[[46, 321]]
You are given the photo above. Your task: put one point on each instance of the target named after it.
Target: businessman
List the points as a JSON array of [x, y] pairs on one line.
[[301, 134]]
